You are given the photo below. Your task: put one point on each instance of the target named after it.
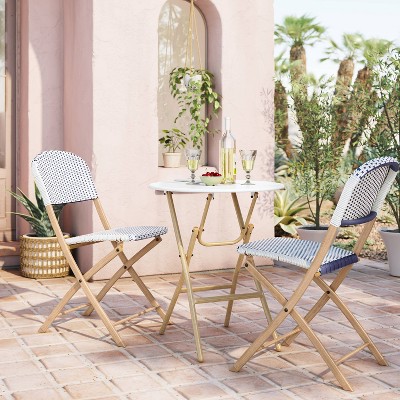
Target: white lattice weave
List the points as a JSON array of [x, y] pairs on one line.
[[62, 177], [298, 252], [127, 234], [365, 192]]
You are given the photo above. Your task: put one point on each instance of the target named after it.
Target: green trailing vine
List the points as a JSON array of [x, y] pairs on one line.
[[193, 88]]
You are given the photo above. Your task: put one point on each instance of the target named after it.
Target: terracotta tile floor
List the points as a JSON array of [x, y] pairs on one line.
[[77, 360]]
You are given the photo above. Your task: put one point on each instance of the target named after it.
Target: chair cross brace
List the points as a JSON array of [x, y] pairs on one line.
[[81, 279]]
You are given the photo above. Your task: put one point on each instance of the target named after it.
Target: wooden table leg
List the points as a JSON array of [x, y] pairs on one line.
[[178, 289], [186, 279]]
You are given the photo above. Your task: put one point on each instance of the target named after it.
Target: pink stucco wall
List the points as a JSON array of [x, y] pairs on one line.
[[89, 84]]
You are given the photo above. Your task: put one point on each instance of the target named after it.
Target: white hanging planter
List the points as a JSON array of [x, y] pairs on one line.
[[190, 79]]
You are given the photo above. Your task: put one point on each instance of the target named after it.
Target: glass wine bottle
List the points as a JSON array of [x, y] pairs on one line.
[[228, 154]]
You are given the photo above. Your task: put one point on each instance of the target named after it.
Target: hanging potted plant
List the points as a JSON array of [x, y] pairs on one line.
[[40, 254], [315, 163], [193, 88], [173, 140], [192, 99]]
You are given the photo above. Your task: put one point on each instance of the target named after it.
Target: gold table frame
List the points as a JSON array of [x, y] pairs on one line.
[[246, 228]]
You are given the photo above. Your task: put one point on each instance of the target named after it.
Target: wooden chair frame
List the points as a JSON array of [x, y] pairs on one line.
[[267, 338], [82, 279]]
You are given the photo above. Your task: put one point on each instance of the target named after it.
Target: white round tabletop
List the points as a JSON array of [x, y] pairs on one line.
[[183, 187]]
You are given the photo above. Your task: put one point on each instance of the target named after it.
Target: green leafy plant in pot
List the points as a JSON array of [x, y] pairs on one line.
[[40, 254], [173, 140], [384, 140], [315, 161]]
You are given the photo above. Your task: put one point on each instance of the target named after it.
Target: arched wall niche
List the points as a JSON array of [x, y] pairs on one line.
[[172, 42]]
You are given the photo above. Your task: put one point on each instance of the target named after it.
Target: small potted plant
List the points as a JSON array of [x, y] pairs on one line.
[[315, 163], [193, 89], [40, 254], [173, 140]]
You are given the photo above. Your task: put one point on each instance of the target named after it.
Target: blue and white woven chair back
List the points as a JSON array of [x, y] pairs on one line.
[[365, 192], [62, 177]]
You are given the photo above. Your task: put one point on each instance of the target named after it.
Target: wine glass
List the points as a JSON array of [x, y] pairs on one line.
[[248, 157], [192, 159]]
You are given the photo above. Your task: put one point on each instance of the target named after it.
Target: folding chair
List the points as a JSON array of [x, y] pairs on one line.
[[361, 200], [64, 178]]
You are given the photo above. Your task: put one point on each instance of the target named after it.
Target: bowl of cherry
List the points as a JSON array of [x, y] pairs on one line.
[[211, 178]]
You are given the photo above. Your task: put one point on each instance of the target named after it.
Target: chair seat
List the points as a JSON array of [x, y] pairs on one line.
[[127, 234], [299, 252]]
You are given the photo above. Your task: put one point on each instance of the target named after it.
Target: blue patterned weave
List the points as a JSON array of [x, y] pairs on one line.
[[299, 252]]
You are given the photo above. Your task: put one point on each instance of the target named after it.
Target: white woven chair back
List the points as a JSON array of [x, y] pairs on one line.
[[62, 177], [365, 192]]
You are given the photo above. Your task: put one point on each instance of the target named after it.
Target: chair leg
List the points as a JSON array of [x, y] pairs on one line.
[[270, 331], [354, 322], [81, 283], [101, 313], [321, 302], [127, 267], [63, 302], [146, 292], [110, 283], [258, 343], [330, 362], [80, 278]]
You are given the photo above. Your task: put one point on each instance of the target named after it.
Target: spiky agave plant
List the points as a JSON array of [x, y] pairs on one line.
[[285, 213], [37, 215]]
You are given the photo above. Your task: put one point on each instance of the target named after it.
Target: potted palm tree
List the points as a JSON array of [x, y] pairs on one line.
[[354, 105], [40, 254], [297, 33], [346, 54]]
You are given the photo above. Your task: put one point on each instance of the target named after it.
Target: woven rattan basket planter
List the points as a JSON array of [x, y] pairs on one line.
[[42, 257]]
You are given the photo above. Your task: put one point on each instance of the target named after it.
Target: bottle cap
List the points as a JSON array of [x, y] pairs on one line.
[[227, 123]]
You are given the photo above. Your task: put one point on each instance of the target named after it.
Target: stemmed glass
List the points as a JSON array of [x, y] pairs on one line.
[[248, 157], [193, 159]]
